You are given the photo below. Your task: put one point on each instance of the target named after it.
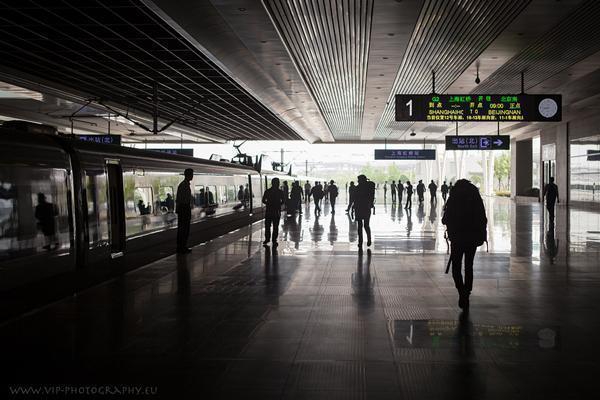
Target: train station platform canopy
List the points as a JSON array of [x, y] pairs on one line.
[[218, 70]]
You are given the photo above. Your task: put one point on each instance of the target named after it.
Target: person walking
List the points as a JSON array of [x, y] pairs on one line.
[[307, 188], [183, 208], [272, 199], [317, 193], [420, 190], [351, 197], [433, 192], [364, 198], [551, 196], [444, 191], [465, 219], [393, 189], [333, 194], [400, 188], [409, 194]]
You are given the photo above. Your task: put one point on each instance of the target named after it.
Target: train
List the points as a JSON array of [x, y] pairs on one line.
[[69, 205]]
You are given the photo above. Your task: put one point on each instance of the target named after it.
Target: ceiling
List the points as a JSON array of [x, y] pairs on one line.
[[322, 71]]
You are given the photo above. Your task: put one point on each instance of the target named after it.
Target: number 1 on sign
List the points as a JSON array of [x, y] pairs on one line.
[[409, 104]]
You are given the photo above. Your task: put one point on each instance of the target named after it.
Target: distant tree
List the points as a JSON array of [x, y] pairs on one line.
[[476, 180], [502, 168]]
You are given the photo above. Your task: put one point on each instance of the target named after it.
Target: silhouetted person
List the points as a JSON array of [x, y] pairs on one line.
[[170, 202], [240, 197], [385, 191], [433, 191], [142, 208], [296, 197], [351, 198], [420, 190], [333, 194], [46, 213], [450, 189], [317, 193], [272, 199], [551, 195], [286, 194], [464, 217], [393, 189], [409, 194], [400, 188], [307, 188], [184, 211], [444, 190], [363, 202]]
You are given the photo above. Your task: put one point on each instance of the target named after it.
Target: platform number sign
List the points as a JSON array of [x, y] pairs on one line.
[[478, 107]]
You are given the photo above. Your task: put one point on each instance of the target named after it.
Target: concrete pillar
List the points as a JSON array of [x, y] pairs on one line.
[[562, 162], [521, 168]]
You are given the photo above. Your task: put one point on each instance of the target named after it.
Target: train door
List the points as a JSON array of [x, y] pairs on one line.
[[116, 208]]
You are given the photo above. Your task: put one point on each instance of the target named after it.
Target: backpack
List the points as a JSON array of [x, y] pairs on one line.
[[464, 214]]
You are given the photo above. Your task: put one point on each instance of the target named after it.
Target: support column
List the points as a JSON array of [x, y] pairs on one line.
[[521, 168]]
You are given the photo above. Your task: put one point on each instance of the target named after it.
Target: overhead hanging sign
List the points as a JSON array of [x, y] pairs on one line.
[[491, 142], [418, 154], [181, 152], [478, 108], [104, 139]]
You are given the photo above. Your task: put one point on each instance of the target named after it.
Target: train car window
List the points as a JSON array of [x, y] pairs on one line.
[[231, 194], [97, 206], [166, 198], [142, 197], [199, 195], [34, 214], [223, 194]]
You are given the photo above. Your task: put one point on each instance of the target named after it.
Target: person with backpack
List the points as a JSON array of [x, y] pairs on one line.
[[333, 194], [465, 219], [363, 202]]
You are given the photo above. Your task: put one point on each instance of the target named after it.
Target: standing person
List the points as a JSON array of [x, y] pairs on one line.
[[307, 188], [465, 219], [365, 196], [409, 194], [333, 194], [183, 208], [444, 191], [351, 197], [286, 194], [296, 197], [420, 190], [384, 191], [272, 199], [433, 192], [393, 189], [400, 188], [551, 195], [317, 193], [45, 213]]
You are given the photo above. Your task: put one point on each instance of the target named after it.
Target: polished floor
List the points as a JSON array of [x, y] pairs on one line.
[[314, 319]]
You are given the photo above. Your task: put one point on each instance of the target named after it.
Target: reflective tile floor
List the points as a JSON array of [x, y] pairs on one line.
[[313, 319]]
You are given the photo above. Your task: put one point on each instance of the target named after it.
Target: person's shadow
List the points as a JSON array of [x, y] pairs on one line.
[[551, 244], [352, 229], [433, 213], [393, 214], [317, 230], [271, 272], [421, 213], [409, 224], [363, 283], [466, 380], [333, 231]]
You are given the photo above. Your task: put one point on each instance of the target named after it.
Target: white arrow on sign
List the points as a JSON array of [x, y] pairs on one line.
[[498, 142]]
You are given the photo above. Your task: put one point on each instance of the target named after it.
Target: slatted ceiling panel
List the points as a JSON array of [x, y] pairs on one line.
[[116, 49], [448, 37], [572, 40], [329, 43]]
